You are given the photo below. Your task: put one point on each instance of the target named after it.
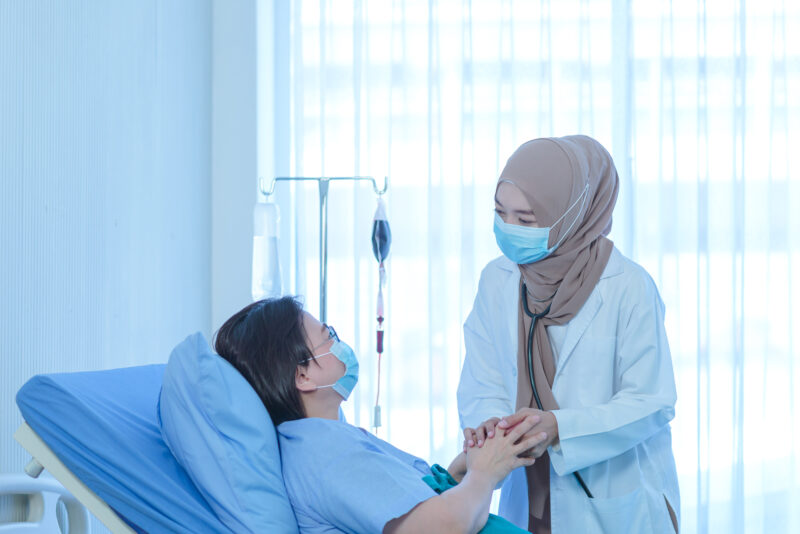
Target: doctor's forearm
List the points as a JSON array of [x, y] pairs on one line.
[[584, 441]]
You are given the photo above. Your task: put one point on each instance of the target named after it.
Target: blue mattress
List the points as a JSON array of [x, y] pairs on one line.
[[104, 426]]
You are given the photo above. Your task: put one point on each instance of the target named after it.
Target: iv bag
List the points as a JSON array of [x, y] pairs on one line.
[[266, 267], [381, 234]]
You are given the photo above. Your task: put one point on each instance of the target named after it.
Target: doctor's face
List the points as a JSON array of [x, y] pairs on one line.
[[512, 206]]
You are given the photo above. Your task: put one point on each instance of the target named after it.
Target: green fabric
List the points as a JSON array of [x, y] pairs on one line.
[[440, 481], [497, 525]]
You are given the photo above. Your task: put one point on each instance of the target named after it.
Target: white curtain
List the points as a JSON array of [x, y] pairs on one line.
[[696, 100]]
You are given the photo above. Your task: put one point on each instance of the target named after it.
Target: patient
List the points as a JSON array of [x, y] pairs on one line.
[[341, 478]]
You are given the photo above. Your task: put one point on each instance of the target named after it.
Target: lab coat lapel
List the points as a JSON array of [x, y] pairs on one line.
[[577, 326], [511, 295]]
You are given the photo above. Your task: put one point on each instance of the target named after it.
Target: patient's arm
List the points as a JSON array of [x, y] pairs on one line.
[[465, 508], [462, 509], [458, 467]]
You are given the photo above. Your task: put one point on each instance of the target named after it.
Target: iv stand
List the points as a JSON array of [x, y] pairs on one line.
[[323, 182]]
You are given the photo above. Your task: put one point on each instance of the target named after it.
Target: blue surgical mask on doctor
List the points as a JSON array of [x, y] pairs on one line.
[[528, 244], [345, 385]]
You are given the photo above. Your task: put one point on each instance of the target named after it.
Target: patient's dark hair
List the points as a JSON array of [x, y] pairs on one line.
[[266, 342]]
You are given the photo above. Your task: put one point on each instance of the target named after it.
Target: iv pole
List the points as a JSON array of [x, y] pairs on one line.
[[323, 182]]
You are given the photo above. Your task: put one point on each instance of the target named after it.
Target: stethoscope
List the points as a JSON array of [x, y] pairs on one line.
[[534, 317]]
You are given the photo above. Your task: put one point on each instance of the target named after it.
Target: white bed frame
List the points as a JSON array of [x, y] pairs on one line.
[[45, 458]]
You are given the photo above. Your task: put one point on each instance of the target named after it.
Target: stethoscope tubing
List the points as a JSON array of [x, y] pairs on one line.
[[534, 317]]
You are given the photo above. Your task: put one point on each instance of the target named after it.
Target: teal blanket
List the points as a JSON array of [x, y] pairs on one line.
[[440, 481]]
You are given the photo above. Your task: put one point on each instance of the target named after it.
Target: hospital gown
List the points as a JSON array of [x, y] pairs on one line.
[[341, 478]]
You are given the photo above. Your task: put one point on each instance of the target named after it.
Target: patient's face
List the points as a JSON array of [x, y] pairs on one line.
[[328, 368]]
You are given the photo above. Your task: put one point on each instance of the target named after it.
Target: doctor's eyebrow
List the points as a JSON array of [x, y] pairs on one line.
[[521, 212]]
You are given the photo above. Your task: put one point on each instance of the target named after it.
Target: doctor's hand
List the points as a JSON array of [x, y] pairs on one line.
[[547, 423], [503, 453]]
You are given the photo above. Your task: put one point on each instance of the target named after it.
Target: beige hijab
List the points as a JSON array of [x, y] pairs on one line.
[[553, 174]]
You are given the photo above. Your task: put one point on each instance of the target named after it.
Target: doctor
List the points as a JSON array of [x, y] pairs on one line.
[[567, 329]]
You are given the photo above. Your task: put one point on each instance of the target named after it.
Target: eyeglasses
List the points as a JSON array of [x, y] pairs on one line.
[[331, 335]]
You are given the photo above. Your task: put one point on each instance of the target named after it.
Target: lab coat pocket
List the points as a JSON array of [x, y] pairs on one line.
[[628, 513]]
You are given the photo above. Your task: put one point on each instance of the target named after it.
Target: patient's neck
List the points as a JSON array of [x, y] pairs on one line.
[[324, 408]]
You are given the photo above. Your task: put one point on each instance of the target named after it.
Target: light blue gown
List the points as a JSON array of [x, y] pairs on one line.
[[341, 478]]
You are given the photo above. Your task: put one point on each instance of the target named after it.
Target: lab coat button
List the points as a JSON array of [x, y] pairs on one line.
[[514, 372]]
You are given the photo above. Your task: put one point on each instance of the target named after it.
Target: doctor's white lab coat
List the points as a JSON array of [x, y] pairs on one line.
[[616, 392]]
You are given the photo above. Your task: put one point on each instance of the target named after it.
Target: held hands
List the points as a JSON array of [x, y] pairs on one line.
[[544, 422], [503, 452], [476, 436], [547, 424], [486, 430]]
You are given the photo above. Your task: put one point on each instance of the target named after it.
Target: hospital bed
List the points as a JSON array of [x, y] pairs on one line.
[[186, 447], [98, 434], [42, 506]]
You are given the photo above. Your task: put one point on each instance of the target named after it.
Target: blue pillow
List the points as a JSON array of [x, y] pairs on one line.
[[218, 429]]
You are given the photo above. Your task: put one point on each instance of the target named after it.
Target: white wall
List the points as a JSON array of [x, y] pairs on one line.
[[128, 157], [235, 158], [105, 181]]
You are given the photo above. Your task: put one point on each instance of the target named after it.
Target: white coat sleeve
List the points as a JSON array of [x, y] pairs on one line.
[[482, 393], [644, 398]]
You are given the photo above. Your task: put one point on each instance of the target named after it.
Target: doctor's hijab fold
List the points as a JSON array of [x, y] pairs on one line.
[[553, 174]]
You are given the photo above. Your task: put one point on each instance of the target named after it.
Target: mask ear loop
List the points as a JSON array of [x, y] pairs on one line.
[[585, 195], [317, 356]]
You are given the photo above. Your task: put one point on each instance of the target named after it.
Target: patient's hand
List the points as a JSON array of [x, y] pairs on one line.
[[500, 454], [458, 467], [476, 436], [547, 423]]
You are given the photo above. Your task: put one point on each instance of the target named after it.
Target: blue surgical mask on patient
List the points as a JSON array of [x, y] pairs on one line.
[[345, 385], [528, 244]]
